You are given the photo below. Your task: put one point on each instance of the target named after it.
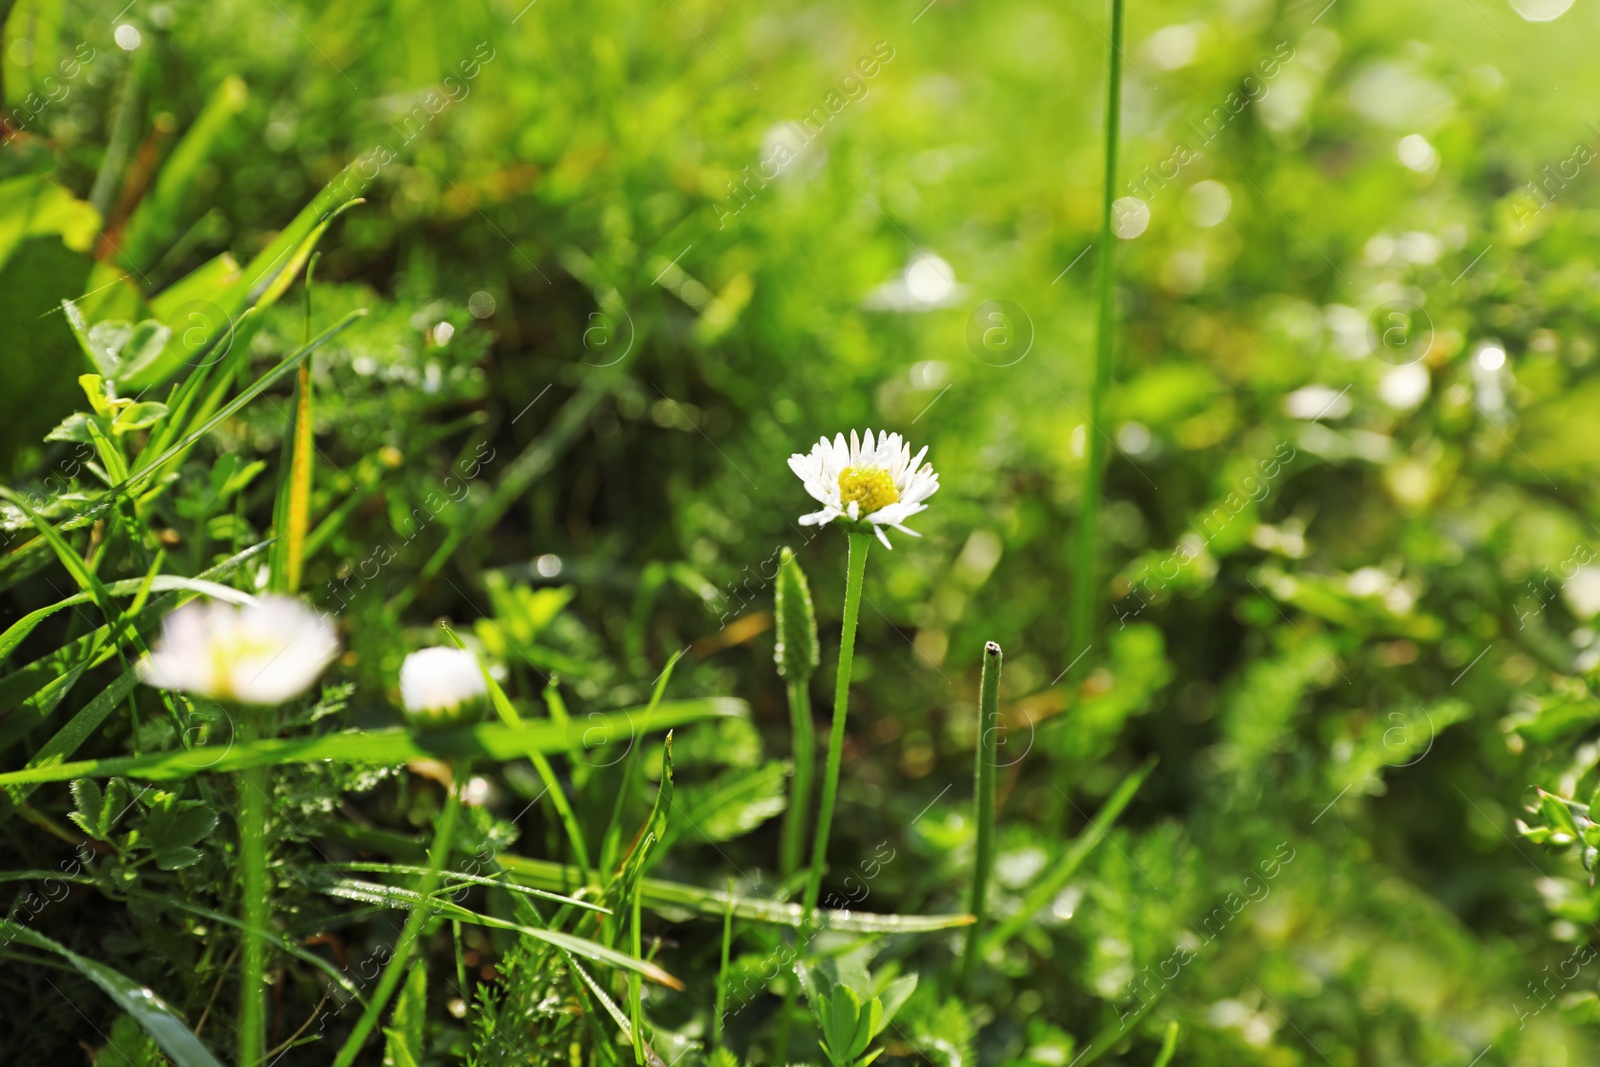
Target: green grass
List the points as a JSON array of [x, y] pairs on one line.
[[1283, 516]]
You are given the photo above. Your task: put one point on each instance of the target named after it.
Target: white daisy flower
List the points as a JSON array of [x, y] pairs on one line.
[[441, 686], [875, 481], [265, 652]]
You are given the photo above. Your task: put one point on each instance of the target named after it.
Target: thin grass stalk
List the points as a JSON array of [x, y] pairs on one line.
[[1169, 1045], [856, 571], [722, 972], [984, 778], [635, 980], [444, 830], [253, 796], [1084, 555], [804, 733]]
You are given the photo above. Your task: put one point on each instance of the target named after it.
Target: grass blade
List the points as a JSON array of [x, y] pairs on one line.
[[1045, 890], [396, 897], [164, 1025], [983, 800], [1085, 590], [496, 742]]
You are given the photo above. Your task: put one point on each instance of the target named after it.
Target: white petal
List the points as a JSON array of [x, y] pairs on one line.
[[883, 537], [440, 680], [265, 652]]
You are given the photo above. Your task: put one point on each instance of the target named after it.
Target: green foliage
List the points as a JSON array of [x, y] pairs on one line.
[[1321, 784], [852, 1009]]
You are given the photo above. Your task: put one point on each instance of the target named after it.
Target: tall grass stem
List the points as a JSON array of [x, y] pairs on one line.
[[253, 796], [444, 830], [1084, 556], [984, 776]]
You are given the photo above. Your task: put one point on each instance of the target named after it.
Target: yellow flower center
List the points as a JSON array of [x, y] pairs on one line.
[[871, 487]]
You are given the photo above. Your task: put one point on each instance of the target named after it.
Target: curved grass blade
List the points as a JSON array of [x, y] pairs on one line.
[[476, 879], [66, 740], [394, 896], [1045, 890], [164, 1025], [163, 583], [496, 742], [552, 785], [659, 894], [656, 893], [286, 945]]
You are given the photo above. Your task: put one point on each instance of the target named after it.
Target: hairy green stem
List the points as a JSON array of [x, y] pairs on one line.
[[855, 573], [804, 733], [444, 829], [984, 777], [1085, 589], [253, 797]]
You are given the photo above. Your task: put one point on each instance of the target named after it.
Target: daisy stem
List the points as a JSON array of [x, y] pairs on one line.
[[253, 784], [421, 911], [856, 571], [1085, 590], [855, 574], [805, 768], [983, 800]]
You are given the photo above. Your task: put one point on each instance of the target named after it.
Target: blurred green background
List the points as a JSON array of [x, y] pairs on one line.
[[626, 259]]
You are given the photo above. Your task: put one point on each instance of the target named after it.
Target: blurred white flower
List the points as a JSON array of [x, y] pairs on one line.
[[441, 686], [927, 282], [875, 481], [265, 652]]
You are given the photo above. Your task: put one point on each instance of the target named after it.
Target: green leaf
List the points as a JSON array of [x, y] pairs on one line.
[[164, 1025], [894, 998], [105, 343], [74, 427], [404, 1048], [178, 824], [1557, 817], [80, 330], [138, 416], [90, 803], [176, 859], [142, 348], [118, 799], [733, 805]]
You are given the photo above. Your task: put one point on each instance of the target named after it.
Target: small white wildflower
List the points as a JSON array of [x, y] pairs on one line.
[[265, 652], [441, 686], [875, 481]]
